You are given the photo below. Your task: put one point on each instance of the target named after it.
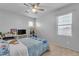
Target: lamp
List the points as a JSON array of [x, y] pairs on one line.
[[30, 23]]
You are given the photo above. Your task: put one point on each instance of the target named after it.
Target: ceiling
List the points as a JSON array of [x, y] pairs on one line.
[[19, 8]]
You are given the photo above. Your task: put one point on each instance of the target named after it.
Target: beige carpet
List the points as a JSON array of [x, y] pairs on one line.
[[56, 50]]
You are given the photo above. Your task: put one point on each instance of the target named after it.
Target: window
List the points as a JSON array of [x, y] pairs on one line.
[[65, 25]]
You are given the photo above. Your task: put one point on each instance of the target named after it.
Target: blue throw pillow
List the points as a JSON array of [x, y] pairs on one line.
[[45, 41]]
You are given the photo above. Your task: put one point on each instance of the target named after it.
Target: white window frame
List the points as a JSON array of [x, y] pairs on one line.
[[64, 24]]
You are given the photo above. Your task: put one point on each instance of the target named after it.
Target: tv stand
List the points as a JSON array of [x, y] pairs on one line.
[[14, 37]]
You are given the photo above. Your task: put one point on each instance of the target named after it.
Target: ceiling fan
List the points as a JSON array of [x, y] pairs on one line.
[[35, 7]]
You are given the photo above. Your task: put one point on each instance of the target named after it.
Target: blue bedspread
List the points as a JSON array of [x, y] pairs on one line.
[[35, 47]]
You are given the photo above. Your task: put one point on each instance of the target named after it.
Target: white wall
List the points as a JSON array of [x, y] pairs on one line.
[[48, 27], [10, 20]]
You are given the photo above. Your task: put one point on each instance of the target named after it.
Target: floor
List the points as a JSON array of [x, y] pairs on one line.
[[56, 50]]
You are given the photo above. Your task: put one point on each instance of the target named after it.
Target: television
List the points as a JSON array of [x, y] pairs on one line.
[[21, 31]]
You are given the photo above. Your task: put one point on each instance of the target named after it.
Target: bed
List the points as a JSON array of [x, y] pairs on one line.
[[28, 47], [35, 46]]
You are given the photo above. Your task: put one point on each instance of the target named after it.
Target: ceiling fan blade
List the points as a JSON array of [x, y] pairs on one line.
[[30, 4], [38, 4], [26, 4], [41, 9]]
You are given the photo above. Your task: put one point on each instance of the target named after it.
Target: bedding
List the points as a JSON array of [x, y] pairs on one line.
[[35, 47], [44, 44], [14, 48], [18, 50], [25, 47], [3, 48]]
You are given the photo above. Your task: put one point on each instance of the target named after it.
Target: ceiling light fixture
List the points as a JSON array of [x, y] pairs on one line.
[[34, 7], [34, 10]]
